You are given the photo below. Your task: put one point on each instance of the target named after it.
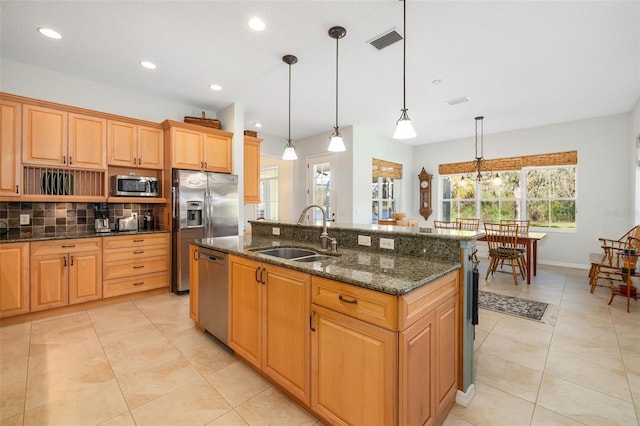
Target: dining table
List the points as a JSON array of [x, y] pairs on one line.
[[530, 241]]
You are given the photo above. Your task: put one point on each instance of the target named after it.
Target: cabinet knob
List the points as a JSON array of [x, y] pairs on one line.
[[134, 161], [17, 189]]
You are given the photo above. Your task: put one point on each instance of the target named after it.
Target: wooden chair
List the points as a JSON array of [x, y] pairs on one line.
[[605, 266], [468, 223], [442, 224], [627, 259], [523, 229], [502, 240]]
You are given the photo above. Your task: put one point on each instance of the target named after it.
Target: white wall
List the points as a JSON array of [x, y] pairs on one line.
[[38, 83], [604, 205], [635, 158]]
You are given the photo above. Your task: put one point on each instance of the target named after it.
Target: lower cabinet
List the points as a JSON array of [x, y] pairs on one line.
[[65, 272], [134, 263], [14, 279], [354, 356], [269, 322]]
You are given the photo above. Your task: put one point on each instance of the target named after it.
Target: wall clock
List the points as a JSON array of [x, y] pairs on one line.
[[425, 193]]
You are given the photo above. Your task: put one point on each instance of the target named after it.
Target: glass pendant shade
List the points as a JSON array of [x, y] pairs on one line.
[[404, 128], [336, 144], [289, 152]]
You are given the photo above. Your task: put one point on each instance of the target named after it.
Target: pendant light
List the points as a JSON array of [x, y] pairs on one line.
[[404, 128], [479, 162], [289, 149], [337, 144]]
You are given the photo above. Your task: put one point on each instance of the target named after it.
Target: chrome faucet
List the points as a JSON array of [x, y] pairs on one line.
[[324, 236]]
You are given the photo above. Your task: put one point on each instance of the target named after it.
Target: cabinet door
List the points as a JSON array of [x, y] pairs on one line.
[[417, 373], [446, 342], [44, 135], [286, 335], [244, 308], [193, 283], [353, 366], [150, 148], [49, 281], [186, 149], [251, 170], [121, 144], [87, 142], [217, 153], [14, 279], [10, 120], [85, 276]]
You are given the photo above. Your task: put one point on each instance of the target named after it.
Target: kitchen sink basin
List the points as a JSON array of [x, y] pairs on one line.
[[314, 258], [290, 253]]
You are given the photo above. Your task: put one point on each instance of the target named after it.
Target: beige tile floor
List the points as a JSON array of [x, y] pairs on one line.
[[142, 363]]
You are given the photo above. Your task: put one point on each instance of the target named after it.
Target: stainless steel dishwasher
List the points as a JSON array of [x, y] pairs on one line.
[[213, 306]]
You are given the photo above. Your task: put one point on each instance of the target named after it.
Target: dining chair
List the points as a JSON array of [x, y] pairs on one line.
[[523, 229], [605, 265], [627, 259], [443, 224], [468, 223], [502, 241]]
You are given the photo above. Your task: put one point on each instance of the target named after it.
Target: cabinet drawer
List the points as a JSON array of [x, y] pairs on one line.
[[135, 253], [367, 305], [121, 286], [66, 246], [128, 268], [137, 240]]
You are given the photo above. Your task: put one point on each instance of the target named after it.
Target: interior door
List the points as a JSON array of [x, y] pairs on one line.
[[321, 178]]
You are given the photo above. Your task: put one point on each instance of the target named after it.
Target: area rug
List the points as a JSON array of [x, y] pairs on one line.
[[523, 308]]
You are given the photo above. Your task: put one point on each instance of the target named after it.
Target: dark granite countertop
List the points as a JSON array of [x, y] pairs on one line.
[[387, 273], [44, 237]]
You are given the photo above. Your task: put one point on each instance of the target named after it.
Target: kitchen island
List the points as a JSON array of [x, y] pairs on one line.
[[357, 336]]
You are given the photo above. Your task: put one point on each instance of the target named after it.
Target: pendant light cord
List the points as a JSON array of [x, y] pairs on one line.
[[337, 83], [289, 104], [404, 57]]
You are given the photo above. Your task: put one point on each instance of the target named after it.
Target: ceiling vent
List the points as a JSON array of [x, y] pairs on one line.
[[457, 101], [386, 39]]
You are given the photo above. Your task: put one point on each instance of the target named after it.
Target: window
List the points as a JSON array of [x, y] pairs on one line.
[[501, 197], [268, 207], [458, 197], [385, 189], [551, 197]]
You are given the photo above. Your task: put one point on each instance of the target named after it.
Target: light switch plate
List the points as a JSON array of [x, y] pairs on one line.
[[24, 219], [386, 243], [364, 240], [275, 231]]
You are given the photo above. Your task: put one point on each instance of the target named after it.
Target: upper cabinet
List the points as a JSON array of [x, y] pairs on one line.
[[251, 169], [195, 147], [58, 138], [10, 120], [131, 145]]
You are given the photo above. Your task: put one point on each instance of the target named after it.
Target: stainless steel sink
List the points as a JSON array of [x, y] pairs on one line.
[[290, 253], [314, 258]]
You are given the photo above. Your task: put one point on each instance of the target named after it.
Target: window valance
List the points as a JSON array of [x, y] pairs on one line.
[[388, 169], [566, 158]]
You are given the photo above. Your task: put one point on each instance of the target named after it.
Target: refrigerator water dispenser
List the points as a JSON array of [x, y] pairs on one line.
[[194, 213]]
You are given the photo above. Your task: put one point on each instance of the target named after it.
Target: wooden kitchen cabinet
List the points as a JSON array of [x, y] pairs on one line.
[[134, 263], [269, 322], [195, 147], [251, 169], [14, 279], [65, 272], [58, 138], [194, 284], [10, 125], [132, 145]]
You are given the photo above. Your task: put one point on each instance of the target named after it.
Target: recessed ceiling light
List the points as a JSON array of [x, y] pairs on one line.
[[149, 65], [215, 87], [436, 81], [48, 32], [457, 101], [258, 125], [256, 24]]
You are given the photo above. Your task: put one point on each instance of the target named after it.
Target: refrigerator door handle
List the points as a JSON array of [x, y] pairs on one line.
[[173, 201]]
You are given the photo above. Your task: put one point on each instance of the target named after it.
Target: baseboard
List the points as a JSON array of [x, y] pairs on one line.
[[465, 398]]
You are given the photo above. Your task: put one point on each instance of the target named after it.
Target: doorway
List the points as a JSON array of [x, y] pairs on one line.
[[321, 180]]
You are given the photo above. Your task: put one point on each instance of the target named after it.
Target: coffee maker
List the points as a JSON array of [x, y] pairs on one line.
[[102, 218]]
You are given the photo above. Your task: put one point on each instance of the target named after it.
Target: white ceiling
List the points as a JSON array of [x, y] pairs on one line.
[[522, 63]]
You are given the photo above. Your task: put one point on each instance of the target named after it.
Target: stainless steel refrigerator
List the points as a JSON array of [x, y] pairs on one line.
[[204, 204]]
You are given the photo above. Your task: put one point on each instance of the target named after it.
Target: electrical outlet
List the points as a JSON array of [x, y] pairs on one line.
[[386, 243], [24, 219], [364, 240], [275, 231]]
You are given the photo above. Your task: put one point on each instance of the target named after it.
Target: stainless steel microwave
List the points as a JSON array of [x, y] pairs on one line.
[[134, 186]]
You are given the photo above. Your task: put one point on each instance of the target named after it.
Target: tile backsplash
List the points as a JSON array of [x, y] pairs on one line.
[[63, 218]]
